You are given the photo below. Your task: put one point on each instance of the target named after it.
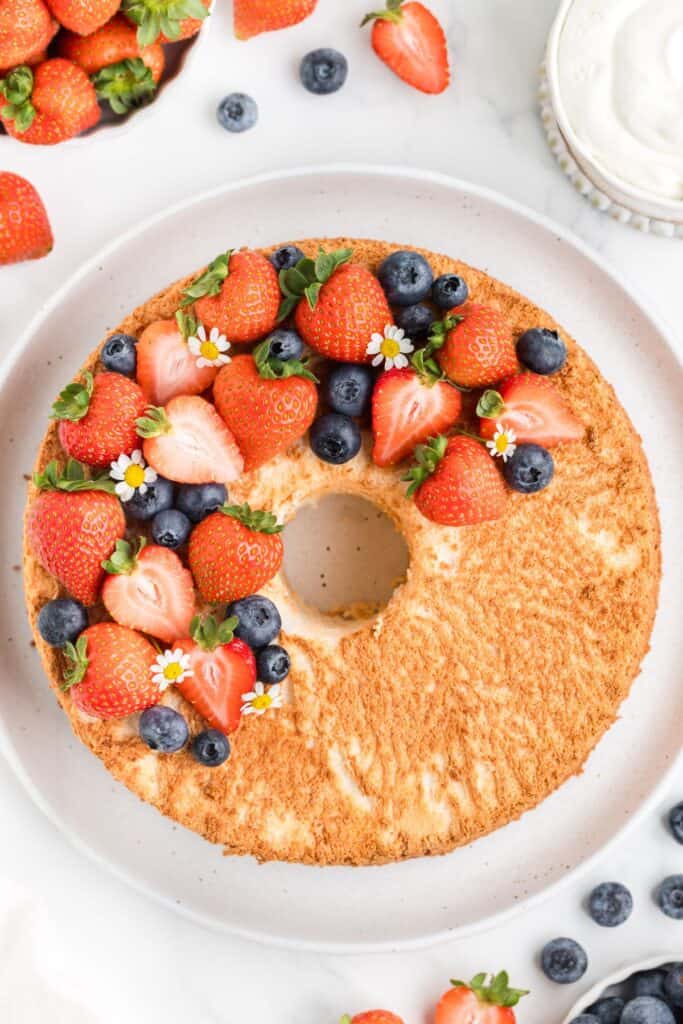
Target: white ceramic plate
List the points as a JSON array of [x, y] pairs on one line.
[[346, 909]]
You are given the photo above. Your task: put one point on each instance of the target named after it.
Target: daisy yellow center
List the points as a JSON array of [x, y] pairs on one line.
[[173, 671], [390, 348], [262, 702], [134, 475], [502, 443], [209, 350]]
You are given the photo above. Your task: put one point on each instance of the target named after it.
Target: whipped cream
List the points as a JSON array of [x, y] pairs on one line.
[[620, 65]]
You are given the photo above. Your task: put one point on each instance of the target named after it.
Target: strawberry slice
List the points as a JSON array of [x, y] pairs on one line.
[[407, 408], [532, 407], [149, 589], [187, 442], [223, 670], [165, 365], [410, 41]]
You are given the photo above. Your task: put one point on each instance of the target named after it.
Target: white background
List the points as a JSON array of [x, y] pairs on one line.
[[77, 946]]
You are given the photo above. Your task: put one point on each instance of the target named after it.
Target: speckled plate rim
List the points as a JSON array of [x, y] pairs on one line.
[[616, 977], [421, 178]]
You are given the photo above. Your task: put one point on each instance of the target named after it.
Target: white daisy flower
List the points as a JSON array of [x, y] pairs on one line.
[[392, 348], [132, 474], [261, 700], [171, 667], [503, 443], [210, 351]]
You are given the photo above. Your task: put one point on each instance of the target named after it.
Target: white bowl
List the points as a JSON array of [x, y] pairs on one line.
[[616, 978]]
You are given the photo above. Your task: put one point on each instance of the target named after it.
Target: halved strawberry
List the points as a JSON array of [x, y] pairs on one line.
[[410, 41], [532, 407], [407, 408], [149, 589], [165, 365], [223, 670], [187, 442], [481, 1001]]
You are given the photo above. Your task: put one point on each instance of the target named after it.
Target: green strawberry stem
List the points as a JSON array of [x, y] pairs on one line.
[[126, 85], [345, 1019], [422, 360], [257, 520], [210, 282], [154, 17], [78, 656], [307, 278], [188, 325], [271, 368], [209, 634], [392, 12], [17, 89], [497, 992], [74, 401], [124, 558], [490, 405], [427, 458], [73, 478], [154, 423]]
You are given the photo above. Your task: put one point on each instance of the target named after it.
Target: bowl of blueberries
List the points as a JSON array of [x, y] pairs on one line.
[[649, 992]]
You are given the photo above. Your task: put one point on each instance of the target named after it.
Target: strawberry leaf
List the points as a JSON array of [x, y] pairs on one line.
[[187, 324], [78, 656], [259, 521], [392, 12], [271, 368], [427, 458], [124, 558], [210, 282], [308, 277], [156, 16], [74, 401], [72, 479], [497, 992], [490, 405], [126, 85], [17, 88], [154, 423], [209, 634]]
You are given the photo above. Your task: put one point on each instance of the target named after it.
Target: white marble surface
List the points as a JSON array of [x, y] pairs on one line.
[[78, 947]]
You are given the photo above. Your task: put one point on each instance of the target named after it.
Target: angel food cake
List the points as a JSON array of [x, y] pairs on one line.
[[224, 405]]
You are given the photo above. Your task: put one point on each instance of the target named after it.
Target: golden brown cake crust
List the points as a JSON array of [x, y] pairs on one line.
[[482, 686]]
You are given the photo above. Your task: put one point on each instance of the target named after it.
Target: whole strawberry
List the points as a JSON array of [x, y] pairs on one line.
[[238, 293], [26, 28], [265, 412], [83, 16], [73, 526], [234, 552], [474, 345], [110, 671], [49, 104], [455, 482], [251, 17], [25, 232], [482, 1001], [410, 41], [97, 418], [166, 21]]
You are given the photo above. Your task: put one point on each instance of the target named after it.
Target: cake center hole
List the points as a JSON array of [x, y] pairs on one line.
[[344, 556]]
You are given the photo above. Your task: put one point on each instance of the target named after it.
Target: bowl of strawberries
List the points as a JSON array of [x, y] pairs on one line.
[[69, 68]]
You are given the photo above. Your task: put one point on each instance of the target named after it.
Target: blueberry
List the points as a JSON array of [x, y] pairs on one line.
[[237, 112], [406, 278], [608, 1010], [449, 290], [676, 822], [272, 664], [62, 621], [197, 501], [323, 71], [119, 354], [259, 620], [610, 904], [335, 438], [285, 344], [163, 729], [541, 350], [415, 320], [349, 388], [286, 257], [673, 985], [564, 961], [171, 528], [648, 983], [670, 897], [157, 497], [585, 1018], [647, 1010], [211, 748], [529, 469]]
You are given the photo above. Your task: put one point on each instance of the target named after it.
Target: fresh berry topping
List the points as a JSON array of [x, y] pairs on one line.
[[61, 621], [323, 71], [26, 28], [564, 961], [348, 388], [610, 904], [483, 1000], [114, 47], [222, 670], [165, 21], [237, 112], [83, 16], [49, 104], [676, 822], [110, 671], [372, 1017], [673, 985], [449, 291], [474, 346], [532, 407], [529, 469], [335, 438], [238, 293], [272, 664], [167, 366], [234, 552], [119, 354], [542, 350], [197, 501], [251, 17], [163, 729], [211, 748], [406, 277], [285, 345], [286, 257], [669, 897], [171, 528], [156, 498], [647, 1010], [188, 442], [266, 415], [607, 1011], [25, 232], [258, 620], [72, 526], [407, 409], [648, 983], [455, 482], [409, 40], [149, 589], [97, 418], [415, 320]]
